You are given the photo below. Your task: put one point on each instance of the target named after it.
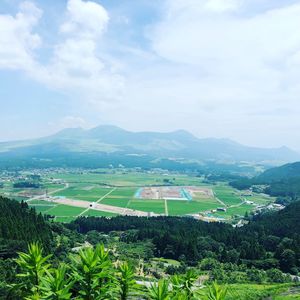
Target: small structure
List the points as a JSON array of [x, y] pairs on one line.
[[222, 209]]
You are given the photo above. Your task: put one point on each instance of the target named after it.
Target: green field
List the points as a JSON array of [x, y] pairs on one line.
[[259, 291], [156, 206], [65, 211], [121, 202], [227, 195], [117, 188], [86, 193], [177, 207], [126, 179]]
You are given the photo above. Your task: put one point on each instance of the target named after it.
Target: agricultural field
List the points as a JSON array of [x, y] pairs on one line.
[[227, 195], [108, 193]]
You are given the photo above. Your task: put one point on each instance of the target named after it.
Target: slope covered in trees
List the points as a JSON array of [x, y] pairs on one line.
[[19, 225], [282, 182], [271, 241]]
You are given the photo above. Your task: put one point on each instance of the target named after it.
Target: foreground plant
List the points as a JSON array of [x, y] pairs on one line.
[[159, 290], [33, 268], [56, 285], [126, 280], [92, 269], [216, 292]]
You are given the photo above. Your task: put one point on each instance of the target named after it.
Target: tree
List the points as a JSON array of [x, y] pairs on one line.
[[287, 260]]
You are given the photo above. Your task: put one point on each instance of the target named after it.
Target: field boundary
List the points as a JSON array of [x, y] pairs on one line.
[[98, 201]]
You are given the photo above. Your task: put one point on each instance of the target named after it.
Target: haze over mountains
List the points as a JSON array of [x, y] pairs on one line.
[[114, 140]]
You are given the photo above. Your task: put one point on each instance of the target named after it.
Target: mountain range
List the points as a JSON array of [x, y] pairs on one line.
[[112, 140]]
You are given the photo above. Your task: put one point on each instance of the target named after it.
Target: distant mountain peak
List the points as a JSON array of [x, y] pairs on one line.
[[179, 143], [69, 132]]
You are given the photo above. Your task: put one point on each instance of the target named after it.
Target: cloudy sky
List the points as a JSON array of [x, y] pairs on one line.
[[218, 68]]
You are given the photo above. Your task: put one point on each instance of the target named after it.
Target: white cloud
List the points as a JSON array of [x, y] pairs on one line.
[[246, 62], [222, 5], [211, 66], [17, 41], [85, 18], [77, 67]]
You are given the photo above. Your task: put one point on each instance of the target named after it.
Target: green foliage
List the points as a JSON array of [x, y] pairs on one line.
[[159, 290], [56, 284], [126, 280], [20, 225], [92, 270], [33, 267], [217, 292]]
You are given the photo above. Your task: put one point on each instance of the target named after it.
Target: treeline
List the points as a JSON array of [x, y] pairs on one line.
[[270, 241], [20, 225], [286, 190], [27, 184]]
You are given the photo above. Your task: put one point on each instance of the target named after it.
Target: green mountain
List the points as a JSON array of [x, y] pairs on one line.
[[285, 172], [282, 182], [111, 141]]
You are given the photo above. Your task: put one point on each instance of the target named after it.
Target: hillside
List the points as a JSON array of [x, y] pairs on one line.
[[282, 182], [285, 223], [20, 225], [285, 172], [252, 260], [108, 143]]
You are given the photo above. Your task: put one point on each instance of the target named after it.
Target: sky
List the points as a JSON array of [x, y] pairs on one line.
[[217, 68]]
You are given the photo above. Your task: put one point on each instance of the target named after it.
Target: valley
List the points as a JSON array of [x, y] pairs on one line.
[[66, 194]]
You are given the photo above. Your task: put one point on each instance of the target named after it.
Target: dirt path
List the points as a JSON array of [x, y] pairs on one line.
[[166, 208], [220, 201], [98, 201], [102, 207]]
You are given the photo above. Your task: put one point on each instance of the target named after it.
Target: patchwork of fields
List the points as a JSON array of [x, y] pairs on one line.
[[175, 195]]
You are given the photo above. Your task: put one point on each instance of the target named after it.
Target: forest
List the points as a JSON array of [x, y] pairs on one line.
[[266, 251]]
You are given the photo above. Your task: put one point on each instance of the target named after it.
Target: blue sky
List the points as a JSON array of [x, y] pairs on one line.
[[218, 68]]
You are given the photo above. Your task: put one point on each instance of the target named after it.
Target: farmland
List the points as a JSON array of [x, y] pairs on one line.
[[67, 194]]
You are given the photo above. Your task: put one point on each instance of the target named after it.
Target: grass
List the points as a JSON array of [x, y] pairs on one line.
[[227, 195], [156, 206], [74, 192], [42, 208], [93, 185], [120, 202], [234, 211], [173, 262], [123, 192], [177, 207], [127, 179], [64, 219], [255, 291], [260, 199], [62, 210]]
